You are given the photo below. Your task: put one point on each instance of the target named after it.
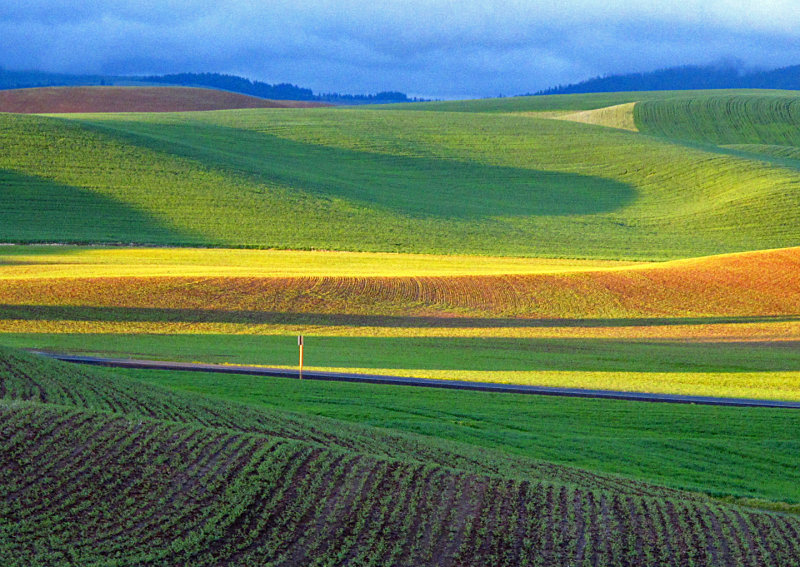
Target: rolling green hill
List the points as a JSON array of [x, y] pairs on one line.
[[101, 470], [769, 119], [393, 180]]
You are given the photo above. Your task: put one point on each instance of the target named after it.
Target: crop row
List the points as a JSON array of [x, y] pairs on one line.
[[87, 488], [724, 119]]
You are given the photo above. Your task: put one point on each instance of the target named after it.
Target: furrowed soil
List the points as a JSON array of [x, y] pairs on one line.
[[184, 481]]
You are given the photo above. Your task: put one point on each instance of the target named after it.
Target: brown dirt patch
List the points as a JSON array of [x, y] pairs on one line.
[[56, 100]]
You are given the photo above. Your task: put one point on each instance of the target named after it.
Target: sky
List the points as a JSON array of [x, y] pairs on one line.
[[430, 48]]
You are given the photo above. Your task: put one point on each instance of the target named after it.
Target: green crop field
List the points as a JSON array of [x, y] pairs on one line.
[[750, 370], [643, 242], [137, 474], [772, 119], [387, 180], [735, 452]]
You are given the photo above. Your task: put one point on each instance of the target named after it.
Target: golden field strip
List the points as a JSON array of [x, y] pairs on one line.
[[755, 385], [617, 116], [749, 298], [508, 292], [733, 297], [772, 331], [36, 262]]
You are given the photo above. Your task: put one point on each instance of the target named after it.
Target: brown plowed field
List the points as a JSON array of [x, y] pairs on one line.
[[56, 100]]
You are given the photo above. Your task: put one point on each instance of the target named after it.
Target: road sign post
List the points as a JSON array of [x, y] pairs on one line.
[[300, 344]]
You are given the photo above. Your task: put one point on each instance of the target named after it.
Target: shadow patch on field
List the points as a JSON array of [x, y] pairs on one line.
[[35, 209], [418, 187], [145, 315]]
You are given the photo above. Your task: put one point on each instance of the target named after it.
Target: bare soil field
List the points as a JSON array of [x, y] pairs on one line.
[[58, 100]]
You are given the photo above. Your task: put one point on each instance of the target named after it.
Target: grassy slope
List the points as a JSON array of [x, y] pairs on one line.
[[782, 154], [137, 487], [571, 102], [722, 119], [391, 180]]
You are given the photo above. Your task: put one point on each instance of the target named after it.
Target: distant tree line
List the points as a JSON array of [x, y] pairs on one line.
[[385, 97], [31, 79], [688, 77], [281, 91], [233, 83]]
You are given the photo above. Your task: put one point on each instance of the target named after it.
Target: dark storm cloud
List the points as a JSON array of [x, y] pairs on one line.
[[430, 47]]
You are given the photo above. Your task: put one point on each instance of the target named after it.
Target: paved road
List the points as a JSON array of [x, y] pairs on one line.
[[424, 382]]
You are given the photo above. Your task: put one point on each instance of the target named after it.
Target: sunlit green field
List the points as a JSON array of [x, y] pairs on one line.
[[755, 370], [387, 180]]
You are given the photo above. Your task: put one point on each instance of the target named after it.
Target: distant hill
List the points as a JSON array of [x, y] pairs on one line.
[[51, 100], [232, 83], [688, 77], [282, 91]]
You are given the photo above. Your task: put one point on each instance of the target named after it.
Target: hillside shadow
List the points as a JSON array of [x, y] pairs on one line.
[[35, 209], [412, 186], [256, 317], [178, 315]]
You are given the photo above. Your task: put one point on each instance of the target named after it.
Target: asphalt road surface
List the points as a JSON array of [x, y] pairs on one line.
[[422, 382]]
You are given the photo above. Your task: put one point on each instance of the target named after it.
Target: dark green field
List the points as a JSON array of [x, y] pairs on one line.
[[724, 119], [100, 469]]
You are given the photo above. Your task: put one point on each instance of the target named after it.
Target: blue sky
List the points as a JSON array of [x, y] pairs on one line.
[[432, 48]]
